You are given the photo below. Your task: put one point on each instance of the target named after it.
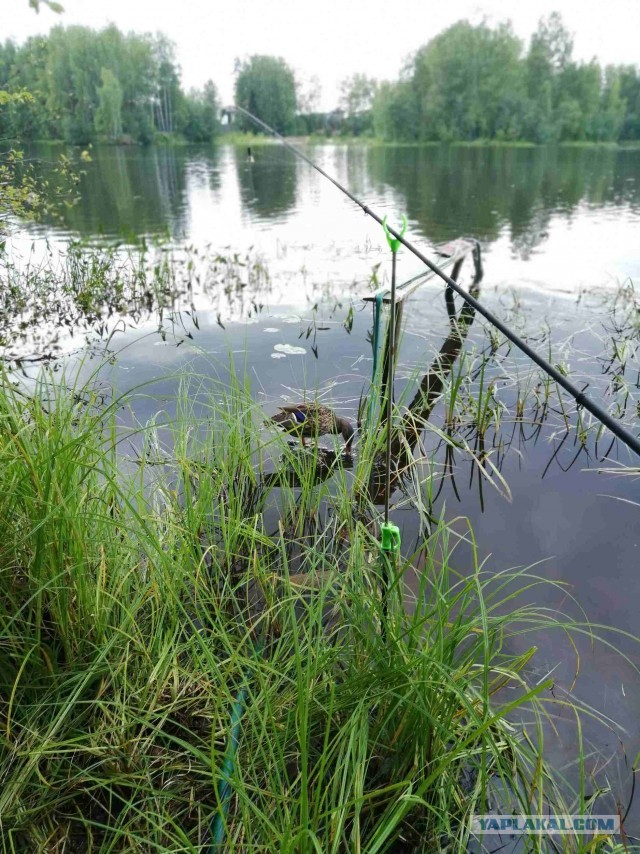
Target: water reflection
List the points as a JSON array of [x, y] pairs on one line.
[[130, 192], [445, 190], [483, 189], [267, 179]]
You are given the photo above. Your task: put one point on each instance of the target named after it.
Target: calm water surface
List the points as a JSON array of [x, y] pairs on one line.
[[558, 227]]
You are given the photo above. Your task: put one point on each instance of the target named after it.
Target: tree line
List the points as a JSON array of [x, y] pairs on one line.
[[470, 82], [478, 82], [79, 85]]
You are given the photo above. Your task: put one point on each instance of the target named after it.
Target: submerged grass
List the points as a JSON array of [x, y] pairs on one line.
[[141, 590], [55, 303]]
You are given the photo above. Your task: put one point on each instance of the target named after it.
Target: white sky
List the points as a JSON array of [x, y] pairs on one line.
[[332, 39]]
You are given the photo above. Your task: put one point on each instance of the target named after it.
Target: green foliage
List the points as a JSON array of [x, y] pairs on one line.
[[629, 81], [356, 99], [357, 93], [87, 84], [266, 87], [25, 193], [50, 4], [108, 117], [469, 82], [168, 96], [475, 82], [21, 191], [396, 111], [138, 593], [202, 109], [7, 98]]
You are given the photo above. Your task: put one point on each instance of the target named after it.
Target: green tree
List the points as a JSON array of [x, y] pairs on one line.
[[137, 76], [23, 191], [468, 82], [169, 98], [473, 82], [576, 105], [108, 115], [629, 81], [202, 109], [266, 87], [79, 76], [553, 41], [547, 66], [611, 115], [357, 93], [396, 111], [19, 189], [71, 79]]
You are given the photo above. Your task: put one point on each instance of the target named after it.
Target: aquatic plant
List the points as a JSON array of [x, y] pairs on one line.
[[62, 301]]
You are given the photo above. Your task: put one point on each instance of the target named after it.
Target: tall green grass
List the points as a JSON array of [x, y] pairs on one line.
[[149, 572]]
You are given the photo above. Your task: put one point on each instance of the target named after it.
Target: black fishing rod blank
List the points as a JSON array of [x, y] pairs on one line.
[[581, 399]]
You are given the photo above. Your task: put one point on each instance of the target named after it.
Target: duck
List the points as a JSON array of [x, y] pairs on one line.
[[311, 420]]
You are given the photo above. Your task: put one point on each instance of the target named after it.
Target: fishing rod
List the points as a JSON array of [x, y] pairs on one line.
[[390, 534], [581, 399]]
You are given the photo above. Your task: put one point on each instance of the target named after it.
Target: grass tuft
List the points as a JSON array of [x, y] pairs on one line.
[[151, 575]]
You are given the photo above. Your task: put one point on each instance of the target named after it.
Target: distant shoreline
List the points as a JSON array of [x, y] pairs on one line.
[[246, 139]]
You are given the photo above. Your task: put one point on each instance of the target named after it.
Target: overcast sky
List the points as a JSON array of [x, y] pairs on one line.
[[332, 39]]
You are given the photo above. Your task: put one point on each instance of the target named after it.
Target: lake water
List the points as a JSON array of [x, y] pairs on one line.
[[559, 232]]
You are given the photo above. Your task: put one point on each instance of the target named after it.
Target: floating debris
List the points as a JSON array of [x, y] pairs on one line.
[[289, 350]]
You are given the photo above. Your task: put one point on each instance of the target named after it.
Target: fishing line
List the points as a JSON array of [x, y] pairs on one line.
[[581, 399]]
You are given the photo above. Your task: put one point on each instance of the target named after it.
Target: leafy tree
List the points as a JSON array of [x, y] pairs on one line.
[[473, 82], [357, 93], [71, 78], [610, 117], [629, 83], [577, 101], [548, 65], [266, 87], [202, 109], [108, 116], [137, 76], [553, 42], [85, 83], [396, 111], [168, 94], [467, 80], [18, 187]]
